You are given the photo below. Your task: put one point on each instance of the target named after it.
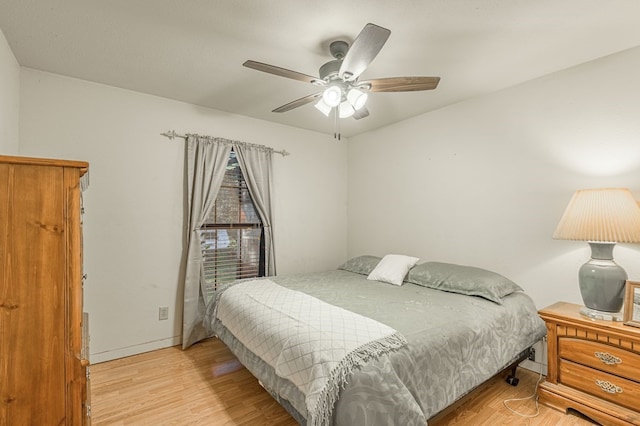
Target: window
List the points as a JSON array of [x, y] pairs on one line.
[[232, 238]]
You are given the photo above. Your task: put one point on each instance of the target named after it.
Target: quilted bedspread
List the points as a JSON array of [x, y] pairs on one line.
[[454, 343], [309, 342]]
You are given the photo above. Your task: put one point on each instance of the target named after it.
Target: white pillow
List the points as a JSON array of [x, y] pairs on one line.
[[392, 268]]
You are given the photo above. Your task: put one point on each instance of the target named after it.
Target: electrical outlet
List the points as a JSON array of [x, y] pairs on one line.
[[163, 313], [532, 355]]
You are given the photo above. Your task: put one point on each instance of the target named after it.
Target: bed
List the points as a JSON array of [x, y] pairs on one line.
[[430, 339]]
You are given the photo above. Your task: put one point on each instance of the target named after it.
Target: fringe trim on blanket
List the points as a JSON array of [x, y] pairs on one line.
[[322, 413]]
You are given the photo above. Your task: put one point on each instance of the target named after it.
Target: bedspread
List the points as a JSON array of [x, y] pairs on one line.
[[454, 343]]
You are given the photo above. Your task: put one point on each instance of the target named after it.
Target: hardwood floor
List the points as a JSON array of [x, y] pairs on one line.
[[205, 385]]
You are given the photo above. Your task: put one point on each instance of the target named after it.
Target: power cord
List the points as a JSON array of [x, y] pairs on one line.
[[534, 396]]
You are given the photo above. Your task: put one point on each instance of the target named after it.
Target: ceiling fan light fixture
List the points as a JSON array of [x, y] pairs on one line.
[[332, 96], [345, 110], [357, 98], [342, 93], [322, 106]]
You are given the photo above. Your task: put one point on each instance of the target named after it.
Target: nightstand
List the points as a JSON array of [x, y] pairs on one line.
[[593, 366]]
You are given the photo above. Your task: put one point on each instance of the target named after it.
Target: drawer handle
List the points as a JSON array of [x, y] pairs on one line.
[[608, 386], [608, 358]]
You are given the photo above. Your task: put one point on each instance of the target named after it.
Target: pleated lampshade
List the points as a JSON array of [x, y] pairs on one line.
[[601, 215]]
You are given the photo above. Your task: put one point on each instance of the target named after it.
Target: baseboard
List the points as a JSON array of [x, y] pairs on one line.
[[112, 354], [534, 366], [540, 363]]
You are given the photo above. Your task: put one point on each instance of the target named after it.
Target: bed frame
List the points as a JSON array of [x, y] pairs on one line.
[[511, 379]]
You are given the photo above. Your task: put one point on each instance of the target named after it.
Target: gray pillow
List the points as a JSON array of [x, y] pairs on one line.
[[462, 279], [361, 264]]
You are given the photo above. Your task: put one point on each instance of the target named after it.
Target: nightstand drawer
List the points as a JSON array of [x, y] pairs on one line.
[[605, 386], [600, 356]]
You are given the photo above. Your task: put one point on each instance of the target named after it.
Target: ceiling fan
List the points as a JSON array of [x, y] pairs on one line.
[[343, 94]]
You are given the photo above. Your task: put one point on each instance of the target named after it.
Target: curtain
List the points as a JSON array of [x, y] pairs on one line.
[[256, 164], [206, 164]]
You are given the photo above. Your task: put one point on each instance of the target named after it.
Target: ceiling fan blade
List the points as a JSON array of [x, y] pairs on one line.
[[298, 102], [361, 113], [401, 84], [363, 51], [283, 72]]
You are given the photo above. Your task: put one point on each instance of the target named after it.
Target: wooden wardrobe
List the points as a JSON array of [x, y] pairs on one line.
[[43, 350]]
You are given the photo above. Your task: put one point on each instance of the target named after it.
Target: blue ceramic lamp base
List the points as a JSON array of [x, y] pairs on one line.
[[602, 284]]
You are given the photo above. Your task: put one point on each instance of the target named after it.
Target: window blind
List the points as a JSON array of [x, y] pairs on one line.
[[232, 233]]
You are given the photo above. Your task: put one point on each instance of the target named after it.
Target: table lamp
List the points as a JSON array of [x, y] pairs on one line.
[[602, 217]]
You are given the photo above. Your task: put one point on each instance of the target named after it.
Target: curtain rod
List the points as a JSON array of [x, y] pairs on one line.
[[171, 134]]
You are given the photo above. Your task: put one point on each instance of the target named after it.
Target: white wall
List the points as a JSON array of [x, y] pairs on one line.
[[134, 205], [484, 182], [9, 99], [481, 183]]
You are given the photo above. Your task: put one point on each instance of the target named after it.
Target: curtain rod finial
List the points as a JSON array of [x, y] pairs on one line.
[[171, 134]]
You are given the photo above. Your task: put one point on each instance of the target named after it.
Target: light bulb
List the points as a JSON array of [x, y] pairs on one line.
[[357, 98], [323, 107], [345, 110], [332, 96]]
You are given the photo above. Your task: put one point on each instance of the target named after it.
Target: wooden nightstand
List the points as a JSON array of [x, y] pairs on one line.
[[593, 366]]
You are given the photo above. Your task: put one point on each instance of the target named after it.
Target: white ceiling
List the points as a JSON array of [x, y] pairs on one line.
[[193, 50]]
